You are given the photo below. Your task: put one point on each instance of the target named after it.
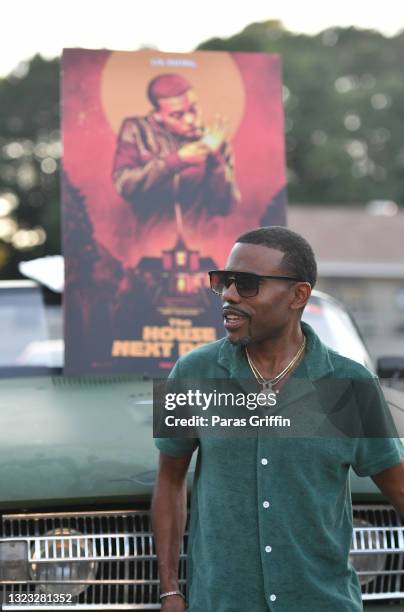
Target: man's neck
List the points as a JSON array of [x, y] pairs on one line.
[[272, 355]]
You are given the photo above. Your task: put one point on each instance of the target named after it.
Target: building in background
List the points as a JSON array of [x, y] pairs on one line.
[[360, 252]]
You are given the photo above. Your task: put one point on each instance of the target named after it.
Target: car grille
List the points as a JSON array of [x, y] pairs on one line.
[[380, 534], [119, 543], [120, 546]]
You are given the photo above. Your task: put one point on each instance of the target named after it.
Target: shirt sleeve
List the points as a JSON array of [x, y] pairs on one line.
[[176, 447], [373, 455], [380, 447]]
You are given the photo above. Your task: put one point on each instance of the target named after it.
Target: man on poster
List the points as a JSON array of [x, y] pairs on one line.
[[170, 157], [271, 518]]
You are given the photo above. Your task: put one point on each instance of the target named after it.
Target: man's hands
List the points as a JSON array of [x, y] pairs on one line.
[[194, 152], [173, 603], [197, 151], [215, 134]]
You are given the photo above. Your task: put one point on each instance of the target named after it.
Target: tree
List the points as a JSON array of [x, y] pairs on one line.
[[344, 110]]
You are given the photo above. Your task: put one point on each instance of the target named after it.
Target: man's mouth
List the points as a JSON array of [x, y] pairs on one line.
[[234, 319], [194, 132]]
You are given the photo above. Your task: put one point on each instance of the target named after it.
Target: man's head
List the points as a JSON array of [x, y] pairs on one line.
[[176, 106], [279, 302]]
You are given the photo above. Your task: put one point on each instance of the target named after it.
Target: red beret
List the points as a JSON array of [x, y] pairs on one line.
[[167, 86]]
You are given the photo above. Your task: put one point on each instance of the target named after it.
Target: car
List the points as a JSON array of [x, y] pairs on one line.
[[78, 465]]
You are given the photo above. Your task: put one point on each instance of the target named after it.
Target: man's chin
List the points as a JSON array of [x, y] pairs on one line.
[[192, 136], [240, 340]]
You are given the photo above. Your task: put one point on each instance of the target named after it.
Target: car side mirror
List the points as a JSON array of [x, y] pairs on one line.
[[390, 367]]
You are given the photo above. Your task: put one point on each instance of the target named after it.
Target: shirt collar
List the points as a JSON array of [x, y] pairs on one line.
[[317, 355], [316, 364]]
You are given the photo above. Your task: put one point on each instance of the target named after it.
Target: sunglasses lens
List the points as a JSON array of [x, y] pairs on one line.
[[217, 281], [246, 284]]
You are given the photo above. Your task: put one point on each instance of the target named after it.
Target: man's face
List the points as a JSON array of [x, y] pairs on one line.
[[181, 115], [267, 315]]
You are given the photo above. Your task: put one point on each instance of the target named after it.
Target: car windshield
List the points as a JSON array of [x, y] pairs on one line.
[[336, 329], [31, 328], [30, 331]]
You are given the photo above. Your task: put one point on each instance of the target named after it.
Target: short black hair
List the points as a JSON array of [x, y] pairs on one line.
[[166, 86], [298, 259]]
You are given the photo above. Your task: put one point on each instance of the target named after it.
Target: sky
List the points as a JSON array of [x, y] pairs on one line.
[[46, 26]]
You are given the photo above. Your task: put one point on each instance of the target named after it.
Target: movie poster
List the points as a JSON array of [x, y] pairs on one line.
[[167, 159]]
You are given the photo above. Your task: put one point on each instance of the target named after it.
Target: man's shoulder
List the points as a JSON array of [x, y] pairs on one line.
[[325, 361], [210, 350], [344, 367], [135, 124], [202, 360]]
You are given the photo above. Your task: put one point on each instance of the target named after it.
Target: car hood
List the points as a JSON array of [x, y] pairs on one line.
[[89, 440], [72, 439]]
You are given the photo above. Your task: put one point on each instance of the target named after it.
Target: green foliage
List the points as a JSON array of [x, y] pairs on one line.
[[343, 110], [29, 163], [344, 107]]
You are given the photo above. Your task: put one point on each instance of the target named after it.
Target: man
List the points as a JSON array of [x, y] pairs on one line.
[[169, 157], [271, 518]]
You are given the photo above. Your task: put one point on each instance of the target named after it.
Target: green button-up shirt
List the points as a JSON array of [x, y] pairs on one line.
[[271, 518]]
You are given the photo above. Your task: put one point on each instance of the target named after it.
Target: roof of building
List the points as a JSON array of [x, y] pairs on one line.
[[150, 264], [350, 234]]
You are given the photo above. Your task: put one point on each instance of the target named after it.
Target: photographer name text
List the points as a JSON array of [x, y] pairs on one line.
[[230, 422]]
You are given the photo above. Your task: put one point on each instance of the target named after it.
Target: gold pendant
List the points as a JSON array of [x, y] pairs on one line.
[[267, 387]]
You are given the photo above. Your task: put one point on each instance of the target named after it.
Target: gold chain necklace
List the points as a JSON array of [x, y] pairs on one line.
[[268, 384]]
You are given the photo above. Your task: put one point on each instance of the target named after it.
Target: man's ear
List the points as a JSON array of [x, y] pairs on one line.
[[302, 292]]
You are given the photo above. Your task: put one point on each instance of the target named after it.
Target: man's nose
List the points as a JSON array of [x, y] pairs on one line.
[[230, 294], [189, 118]]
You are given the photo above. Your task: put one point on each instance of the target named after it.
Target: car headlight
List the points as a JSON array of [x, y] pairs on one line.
[[52, 561], [367, 561]]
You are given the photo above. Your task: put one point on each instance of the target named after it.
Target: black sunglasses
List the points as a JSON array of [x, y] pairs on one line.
[[247, 283]]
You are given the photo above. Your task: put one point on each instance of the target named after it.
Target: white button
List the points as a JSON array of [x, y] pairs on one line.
[[272, 597], [266, 504], [264, 461], [268, 548]]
